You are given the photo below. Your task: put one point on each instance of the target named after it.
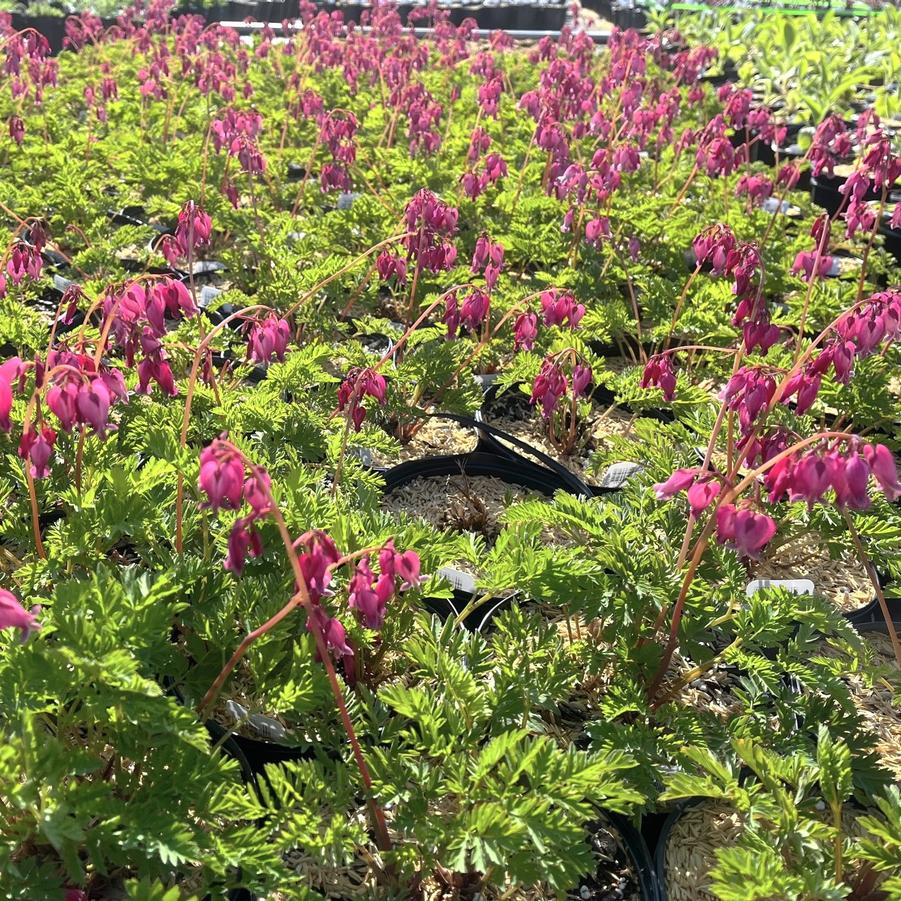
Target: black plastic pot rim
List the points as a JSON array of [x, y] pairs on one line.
[[663, 841], [566, 479], [637, 850], [610, 480]]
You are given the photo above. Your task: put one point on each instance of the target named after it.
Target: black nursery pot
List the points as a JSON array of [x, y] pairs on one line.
[[498, 441], [638, 856], [663, 840], [477, 463]]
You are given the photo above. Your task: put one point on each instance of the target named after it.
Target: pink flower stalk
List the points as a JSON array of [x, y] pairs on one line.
[[659, 373], [14, 616], [268, 339], [357, 384], [525, 331], [221, 475]]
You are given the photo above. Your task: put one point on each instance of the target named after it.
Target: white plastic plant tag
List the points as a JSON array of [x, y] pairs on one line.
[[268, 727], [771, 204], [460, 580], [617, 474], [795, 586]]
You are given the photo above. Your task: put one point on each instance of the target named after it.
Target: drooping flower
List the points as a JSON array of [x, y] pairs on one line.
[[581, 377], [702, 494], [883, 466], [17, 129], [560, 307], [37, 447], [659, 373], [319, 556], [268, 339], [525, 331], [14, 616], [243, 542], [746, 531], [549, 386], [221, 475], [679, 481], [357, 384]]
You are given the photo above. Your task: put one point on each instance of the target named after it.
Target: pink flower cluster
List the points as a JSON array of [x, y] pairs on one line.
[[337, 133], [748, 532], [831, 144], [659, 373], [137, 317], [357, 385], [551, 384], [268, 339], [78, 393], [858, 334], [845, 468], [741, 261], [193, 231], [488, 257], [391, 266], [226, 479], [432, 223], [560, 308], [24, 260], [369, 595]]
